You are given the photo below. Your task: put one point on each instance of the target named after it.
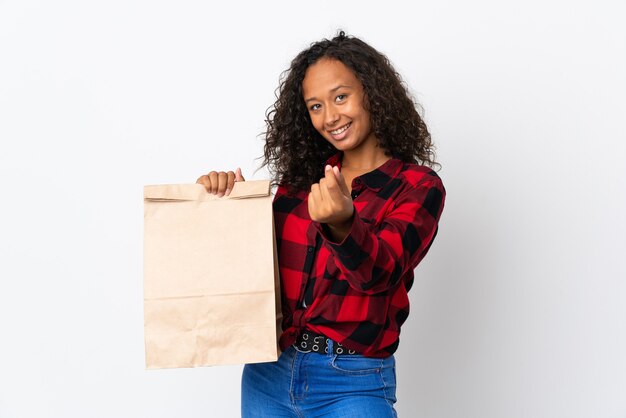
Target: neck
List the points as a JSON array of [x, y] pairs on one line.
[[364, 159]]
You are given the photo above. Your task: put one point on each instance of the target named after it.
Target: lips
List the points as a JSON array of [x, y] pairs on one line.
[[340, 132]]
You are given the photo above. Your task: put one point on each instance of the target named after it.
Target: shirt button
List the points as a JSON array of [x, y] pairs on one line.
[[357, 181], [354, 195], [310, 249]]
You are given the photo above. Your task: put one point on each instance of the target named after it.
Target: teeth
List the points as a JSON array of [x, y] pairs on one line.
[[340, 130]]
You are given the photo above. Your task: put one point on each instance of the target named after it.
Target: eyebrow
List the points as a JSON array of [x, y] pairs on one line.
[[334, 89]]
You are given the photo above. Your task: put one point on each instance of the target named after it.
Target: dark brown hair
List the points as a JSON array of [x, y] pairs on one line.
[[295, 152]]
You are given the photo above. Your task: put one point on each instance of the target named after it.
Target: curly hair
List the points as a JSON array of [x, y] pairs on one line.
[[295, 152]]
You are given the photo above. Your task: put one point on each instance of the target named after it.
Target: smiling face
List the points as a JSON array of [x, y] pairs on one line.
[[334, 98]]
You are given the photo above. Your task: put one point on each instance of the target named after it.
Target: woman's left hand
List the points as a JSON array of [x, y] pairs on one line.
[[330, 202]]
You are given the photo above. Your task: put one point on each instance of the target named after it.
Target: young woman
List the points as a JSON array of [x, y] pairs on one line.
[[356, 209]]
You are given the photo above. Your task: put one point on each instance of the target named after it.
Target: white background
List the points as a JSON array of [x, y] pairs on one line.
[[518, 311]]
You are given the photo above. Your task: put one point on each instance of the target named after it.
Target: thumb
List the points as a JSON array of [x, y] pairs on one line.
[[238, 175], [341, 181]]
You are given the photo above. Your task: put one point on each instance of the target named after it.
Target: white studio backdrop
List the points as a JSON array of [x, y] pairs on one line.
[[518, 311]]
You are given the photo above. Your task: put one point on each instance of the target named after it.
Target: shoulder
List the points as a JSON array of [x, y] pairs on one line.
[[283, 190], [422, 188], [419, 176]]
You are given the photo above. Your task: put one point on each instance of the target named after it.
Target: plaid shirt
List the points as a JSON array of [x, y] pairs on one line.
[[356, 291]]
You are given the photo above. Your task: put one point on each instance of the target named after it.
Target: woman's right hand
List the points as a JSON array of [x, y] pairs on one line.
[[220, 183]]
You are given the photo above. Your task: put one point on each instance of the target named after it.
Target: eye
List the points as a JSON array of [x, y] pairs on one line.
[[341, 97], [315, 107]]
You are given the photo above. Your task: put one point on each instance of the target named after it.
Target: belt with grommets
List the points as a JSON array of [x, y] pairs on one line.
[[309, 341]]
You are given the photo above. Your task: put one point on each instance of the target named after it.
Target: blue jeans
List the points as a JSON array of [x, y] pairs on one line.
[[304, 385]]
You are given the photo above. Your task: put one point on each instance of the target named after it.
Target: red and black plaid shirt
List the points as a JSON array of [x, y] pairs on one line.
[[355, 292]]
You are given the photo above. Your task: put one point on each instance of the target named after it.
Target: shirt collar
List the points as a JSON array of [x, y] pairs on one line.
[[377, 178]]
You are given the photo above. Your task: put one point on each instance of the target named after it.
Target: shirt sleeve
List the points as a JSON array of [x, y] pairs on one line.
[[373, 259]]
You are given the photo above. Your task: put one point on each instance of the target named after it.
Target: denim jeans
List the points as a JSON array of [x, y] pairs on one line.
[[304, 385]]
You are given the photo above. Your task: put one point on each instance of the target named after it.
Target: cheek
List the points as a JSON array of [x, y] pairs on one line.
[[365, 118], [357, 112]]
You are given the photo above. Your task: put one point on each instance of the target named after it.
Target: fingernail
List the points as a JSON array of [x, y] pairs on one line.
[[328, 167], [228, 191]]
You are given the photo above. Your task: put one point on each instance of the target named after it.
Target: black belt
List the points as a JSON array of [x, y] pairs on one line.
[[309, 341]]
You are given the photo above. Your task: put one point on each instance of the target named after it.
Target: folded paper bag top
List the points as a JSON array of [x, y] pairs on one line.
[[197, 192], [211, 290]]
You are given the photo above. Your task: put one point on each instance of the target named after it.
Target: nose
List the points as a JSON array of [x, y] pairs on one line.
[[331, 116]]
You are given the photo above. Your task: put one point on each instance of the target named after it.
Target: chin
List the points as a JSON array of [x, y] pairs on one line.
[[346, 146], [340, 146]]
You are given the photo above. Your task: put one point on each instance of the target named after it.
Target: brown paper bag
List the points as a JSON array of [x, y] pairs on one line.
[[211, 292]]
